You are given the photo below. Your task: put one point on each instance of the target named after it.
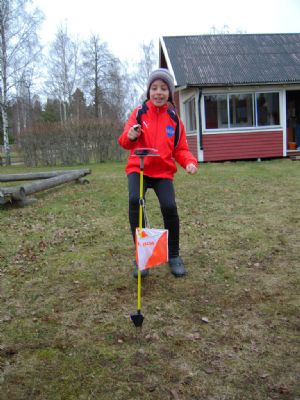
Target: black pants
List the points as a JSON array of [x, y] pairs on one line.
[[165, 193]]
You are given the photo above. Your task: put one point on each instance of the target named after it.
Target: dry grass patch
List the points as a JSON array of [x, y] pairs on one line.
[[228, 331]]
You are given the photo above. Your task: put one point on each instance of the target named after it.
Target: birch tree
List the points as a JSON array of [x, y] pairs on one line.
[[116, 91], [144, 67], [19, 48], [98, 70], [63, 70], [22, 103]]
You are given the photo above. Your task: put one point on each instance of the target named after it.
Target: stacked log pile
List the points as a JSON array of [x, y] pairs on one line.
[[46, 180]]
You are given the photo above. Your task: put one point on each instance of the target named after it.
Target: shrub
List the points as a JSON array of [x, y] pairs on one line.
[[71, 143]]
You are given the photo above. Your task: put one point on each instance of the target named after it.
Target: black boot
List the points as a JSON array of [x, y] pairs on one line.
[[144, 272], [177, 266]]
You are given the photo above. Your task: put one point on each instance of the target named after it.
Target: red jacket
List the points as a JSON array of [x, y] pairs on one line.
[[158, 132]]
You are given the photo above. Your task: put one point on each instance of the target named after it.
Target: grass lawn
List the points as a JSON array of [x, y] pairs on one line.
[[227, 331]]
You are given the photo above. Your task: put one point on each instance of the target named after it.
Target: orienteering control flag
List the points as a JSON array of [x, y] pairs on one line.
[[151, 247]]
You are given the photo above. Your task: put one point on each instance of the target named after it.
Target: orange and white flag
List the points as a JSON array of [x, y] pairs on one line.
[[151, 247]]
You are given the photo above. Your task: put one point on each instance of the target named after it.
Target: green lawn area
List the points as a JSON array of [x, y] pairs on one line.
[[227, 331]]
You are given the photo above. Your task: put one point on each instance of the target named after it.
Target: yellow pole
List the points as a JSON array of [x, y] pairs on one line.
[[140, 228]]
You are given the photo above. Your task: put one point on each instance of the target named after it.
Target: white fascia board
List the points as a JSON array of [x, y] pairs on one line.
[[181, 88], [170, 68], [283, 112]]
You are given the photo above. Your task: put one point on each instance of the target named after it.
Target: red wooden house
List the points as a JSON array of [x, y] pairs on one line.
[[238, 95]]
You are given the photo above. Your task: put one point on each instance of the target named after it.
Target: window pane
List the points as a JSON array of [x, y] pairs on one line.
[[241, 110], [267, 109], [190, 114], [216, 111]]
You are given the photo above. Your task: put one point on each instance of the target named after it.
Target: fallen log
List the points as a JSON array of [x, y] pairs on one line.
[[52, 182], [19, 193], [30, 176], [11, 192]]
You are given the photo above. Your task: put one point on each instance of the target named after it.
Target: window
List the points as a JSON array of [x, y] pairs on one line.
[[190, 115], [241, 110], [216, 111], [267, 109]]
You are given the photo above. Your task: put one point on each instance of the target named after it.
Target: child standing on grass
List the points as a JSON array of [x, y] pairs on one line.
[[157, 130]]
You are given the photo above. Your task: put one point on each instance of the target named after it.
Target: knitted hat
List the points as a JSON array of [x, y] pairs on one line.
[[164, 75]]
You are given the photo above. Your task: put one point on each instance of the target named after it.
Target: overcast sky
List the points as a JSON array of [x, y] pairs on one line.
[[124, 24]]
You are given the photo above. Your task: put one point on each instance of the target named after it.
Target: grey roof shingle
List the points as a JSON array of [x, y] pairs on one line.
[[210, 60]]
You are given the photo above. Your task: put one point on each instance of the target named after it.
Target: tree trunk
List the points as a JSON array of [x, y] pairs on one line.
[[40, 175], [20, 192], [51, 182], [5, 135], [3, 89]]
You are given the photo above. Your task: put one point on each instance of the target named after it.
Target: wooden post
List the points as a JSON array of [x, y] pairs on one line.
[[19, 193], [30, 176]]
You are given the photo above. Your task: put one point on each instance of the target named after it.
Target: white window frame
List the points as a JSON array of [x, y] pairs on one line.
[[255, 125], [186, 105]]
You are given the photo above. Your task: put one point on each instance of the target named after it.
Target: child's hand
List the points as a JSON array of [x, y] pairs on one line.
[[191, 169], [134, 132]]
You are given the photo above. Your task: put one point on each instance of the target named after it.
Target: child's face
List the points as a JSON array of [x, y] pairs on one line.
[[159, 93]]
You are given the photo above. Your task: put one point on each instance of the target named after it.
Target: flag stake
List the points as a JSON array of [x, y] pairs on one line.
[[138, 318]]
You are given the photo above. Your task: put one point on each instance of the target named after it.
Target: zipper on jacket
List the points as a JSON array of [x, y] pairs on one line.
[[156, 128]]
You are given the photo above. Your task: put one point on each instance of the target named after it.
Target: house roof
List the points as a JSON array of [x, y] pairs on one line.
[[241, 59]]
